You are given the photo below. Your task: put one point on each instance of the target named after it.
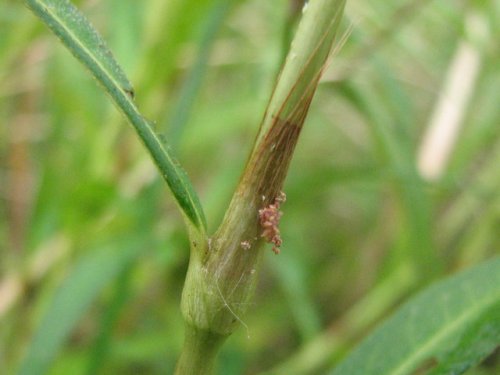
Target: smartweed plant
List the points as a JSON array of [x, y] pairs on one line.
[[224, 265]]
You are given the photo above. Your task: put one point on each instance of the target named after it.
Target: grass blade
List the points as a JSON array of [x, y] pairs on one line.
[[101, 345], [190, 89], [86, 281], [78, 35], [422, 332]]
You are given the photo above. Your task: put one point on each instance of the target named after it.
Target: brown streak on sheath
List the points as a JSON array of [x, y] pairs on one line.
[[274, 154], [259, 187], [274, 157]]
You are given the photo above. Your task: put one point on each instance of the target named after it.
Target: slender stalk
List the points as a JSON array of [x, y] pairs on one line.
[[199, 352], [222, 272]]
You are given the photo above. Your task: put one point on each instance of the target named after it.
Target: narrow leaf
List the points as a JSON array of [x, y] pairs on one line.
[[424, 331], [79, 36], [70, 303], [190, 89]]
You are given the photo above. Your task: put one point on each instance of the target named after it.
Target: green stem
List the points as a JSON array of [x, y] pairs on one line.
[[199, 352], [223, 271]]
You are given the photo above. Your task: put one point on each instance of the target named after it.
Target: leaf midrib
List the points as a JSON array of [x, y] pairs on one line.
[[447, 331]]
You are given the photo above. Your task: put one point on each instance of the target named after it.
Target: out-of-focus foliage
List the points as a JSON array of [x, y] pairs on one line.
[[449, 328], [362, 228]]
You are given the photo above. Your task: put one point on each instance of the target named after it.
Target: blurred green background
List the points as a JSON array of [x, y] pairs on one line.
[[394, 182]]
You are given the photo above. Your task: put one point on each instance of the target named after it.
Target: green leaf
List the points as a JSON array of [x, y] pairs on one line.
[[78, 35], [71, 301], [424, 330], [479, 341]]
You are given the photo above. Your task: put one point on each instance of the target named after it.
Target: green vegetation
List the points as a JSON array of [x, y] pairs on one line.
[[390, 226]]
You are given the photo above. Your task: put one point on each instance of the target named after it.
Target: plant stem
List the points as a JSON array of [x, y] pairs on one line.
[[222, 271], [199, 351]]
